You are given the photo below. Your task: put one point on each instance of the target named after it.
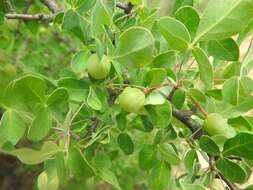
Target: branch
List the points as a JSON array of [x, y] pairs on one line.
[[27, 17], [9, 6], [194, 126], [197, 131], [127, 8], [229, 184], [52, 5]]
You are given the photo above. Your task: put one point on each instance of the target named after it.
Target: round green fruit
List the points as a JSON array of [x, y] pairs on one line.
[[98, 69], [131, 99], [12, 25], [215, 124]]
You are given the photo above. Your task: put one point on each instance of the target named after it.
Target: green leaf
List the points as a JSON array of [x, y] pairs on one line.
[[230, 91], [175, 33], [168, 154], [180, 3], [205, 67], [190, 159], [160, 115], [77, 89], [226, 49], [121, 121], [136, 52], [208, 145], [108, 176], [245, 33], [78, 165], [31, 156], [12, 127], [189, 17], [155, 98], [79, 61], [93, 100], [197, 95], [241, 121], [155, 77], [40, 125], [125, 143], [102, 161], [136, 2], [246, 86], [58, 98], [100, 17], [230, 111], [76, 24], [178, 98], [47, 182], [166, 59], [160, 176], [229, 18], [240, 145], [29, 90], [147, 157], [231, 170]]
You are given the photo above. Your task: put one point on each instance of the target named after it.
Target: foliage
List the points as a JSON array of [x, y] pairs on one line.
[[112, 91]]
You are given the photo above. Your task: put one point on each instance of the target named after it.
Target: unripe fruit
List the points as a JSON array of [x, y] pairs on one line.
[[131, 99], [98, 69], [12, 24], [215, 124]]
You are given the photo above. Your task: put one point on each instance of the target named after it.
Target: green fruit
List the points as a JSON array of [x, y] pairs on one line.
[[98, 69], [12, 25], [131, 99], [215, 124]]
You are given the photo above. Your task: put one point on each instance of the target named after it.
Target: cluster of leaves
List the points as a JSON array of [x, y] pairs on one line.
[[182, 120]]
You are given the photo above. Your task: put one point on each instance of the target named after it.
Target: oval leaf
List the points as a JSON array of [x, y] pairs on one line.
[[226, 49], [168, 154], [147, 157], [208, 145], [205, 67], [189, 17], [231, 170], [137, 52], [175, 33], [160, 176], [12, 127], [229, 18], [93, 100], [40, 125], [240, 145], [126, 143]]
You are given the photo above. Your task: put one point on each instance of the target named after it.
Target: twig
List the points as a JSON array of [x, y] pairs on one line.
[[172, 92], [93, 127], [151, 89], [127, 8], [52, 5], [231, 185], [198, 106], [44, 17], [197, 131], [195, 127]]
